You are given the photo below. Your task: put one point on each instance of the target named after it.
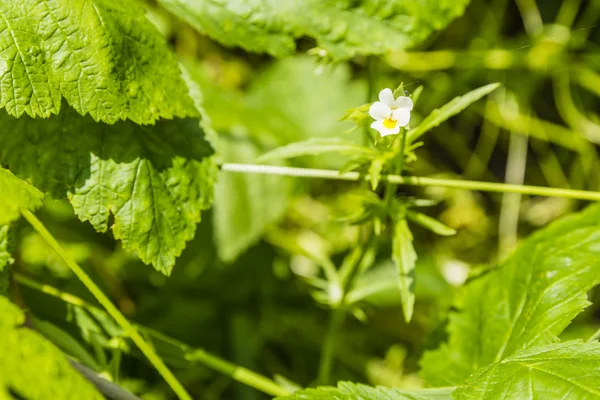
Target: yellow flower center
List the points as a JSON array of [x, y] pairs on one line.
[[389, 123]]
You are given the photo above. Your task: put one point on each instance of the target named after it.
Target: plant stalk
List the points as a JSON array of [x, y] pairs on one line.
[[112, 310], [414, 181]]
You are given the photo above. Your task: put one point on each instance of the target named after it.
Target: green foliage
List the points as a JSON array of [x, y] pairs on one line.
[[5, 257], [405, 257], [246, 205], [31, 367], [352, 391], [452, 108], [569, 370], [16, 194], [155, 180], [342, 28], [103, 57], [532, 297]]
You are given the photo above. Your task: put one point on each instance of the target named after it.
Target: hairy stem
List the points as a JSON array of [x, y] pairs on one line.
[[112, 310], [414, 181]]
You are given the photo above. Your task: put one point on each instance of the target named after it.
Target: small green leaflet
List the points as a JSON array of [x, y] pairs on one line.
[[104, 57], [315, 146], [27, 357], [15, 195], [342, 28], [357, 391], [245, 204], [533, 296], [430, 223], [569, 370], [405, 258], [155, 180], [452, 108]]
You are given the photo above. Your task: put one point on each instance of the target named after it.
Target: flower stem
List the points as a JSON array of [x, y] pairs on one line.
[[112, 310], [413, 181]]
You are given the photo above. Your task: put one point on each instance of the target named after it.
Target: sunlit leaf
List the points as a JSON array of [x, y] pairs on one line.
[[569, 370], [341, 28], [532, 297], [430, 223], [452, 108], [154, 180], [354, 391], [15, 195], [31, 367]]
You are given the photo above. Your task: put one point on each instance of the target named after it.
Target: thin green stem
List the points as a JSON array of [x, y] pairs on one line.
[[335, 322], [414, 181], [236, 372], [595, 336], [112, 310]]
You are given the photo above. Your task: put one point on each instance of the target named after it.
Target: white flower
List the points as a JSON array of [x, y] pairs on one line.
[[390, 114]]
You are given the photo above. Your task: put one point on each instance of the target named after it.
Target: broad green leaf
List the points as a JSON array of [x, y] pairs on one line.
[[357, 391], [313, 147], [31, 367], [405, 257], [155, 180], [15, 195], [430, 223], [452, 108], [532, 296], [104, 57], [342, 28], [569, 370], [245, 204]]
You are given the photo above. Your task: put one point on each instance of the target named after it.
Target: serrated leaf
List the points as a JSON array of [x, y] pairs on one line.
[[313, 147], [405, 258], [15, 195], [375, 172], [532, 297], [452, 108], [155, 180], [246, 204], [430, 223], [104, 57], [357, 391], [569, 370], [341, 28], [31, 367]]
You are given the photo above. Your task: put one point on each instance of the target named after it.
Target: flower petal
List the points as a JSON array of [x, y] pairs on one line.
[[404, 103], [401, 115], [387, 97], [383, 131], [379, 111]]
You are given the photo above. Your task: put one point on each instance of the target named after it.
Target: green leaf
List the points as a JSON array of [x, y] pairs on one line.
[[342, 28], [452, 108], [357, 391], [246, 204], [16, 194], [314, 147], [430, 223], [378, 286], [104, 57], [375, 172], [31, 367], [569, 370], [532, 297], [405, 258], [155, 180]]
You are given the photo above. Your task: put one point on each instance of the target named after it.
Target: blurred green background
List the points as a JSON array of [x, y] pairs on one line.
[[240, 289]]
